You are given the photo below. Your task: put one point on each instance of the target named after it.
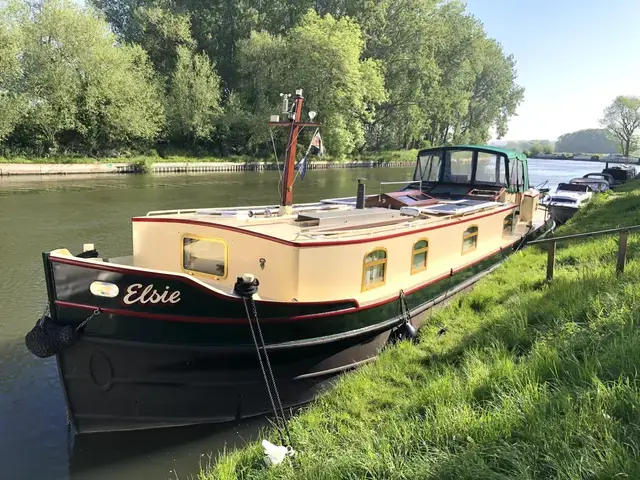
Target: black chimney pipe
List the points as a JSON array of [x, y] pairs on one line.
[[360, 194]]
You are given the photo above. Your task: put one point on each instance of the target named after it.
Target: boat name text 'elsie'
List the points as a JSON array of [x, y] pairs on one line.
[[136, 294]]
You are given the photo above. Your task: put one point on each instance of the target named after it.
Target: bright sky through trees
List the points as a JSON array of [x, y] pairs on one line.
[[574, 57]]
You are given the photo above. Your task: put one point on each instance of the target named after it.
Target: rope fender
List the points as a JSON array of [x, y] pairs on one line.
[[47, 338]]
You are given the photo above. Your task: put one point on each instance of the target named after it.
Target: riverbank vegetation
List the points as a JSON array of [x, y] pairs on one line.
[[107, 78], [589, 140], [517, 379], [622, 121], [405, 156]]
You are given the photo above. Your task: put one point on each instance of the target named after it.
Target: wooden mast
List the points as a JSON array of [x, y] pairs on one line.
[[295, 125]]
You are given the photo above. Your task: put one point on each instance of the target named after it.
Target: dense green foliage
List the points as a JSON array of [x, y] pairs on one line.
[[538, 148], [68, 88], [622, 120], [530, 380], [527, 145], [122, 75], [593, 140]]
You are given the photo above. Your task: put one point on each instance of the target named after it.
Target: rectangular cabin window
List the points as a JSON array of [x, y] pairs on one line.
[[428, 168], [458, 166], [491, 170], [374, 270], [470, 239], [204, 255], [419, 256]]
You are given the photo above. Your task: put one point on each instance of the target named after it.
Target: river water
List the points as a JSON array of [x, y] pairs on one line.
[[39, 214]]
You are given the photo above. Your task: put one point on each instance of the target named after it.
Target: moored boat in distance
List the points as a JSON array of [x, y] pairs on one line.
[[163, 337], [597, 185], [620, 173], [567, 199], [600, 176]]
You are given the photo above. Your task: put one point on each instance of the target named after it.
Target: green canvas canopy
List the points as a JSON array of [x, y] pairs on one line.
[[516, 162]]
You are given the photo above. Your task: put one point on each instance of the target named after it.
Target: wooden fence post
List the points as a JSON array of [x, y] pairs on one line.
[[622, 251], [551, 258]]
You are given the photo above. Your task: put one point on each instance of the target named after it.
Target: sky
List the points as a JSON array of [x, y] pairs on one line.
[[573, 58]]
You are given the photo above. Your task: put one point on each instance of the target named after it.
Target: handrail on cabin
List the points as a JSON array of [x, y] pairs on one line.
[[622, 245]]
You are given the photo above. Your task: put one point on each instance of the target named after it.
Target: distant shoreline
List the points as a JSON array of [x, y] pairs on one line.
[[11, 169], [588, 158]]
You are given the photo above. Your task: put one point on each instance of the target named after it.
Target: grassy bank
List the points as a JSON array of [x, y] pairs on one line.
[[531, 380], [397, 155]]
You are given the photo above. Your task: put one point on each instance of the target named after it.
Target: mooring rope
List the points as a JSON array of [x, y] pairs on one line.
[[270, 371], [404, 307], [246, 290]]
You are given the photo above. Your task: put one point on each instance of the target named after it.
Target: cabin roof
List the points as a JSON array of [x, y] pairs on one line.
[[344, 222], [483, 148]]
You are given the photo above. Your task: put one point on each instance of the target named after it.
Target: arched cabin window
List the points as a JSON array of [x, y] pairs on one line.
[[374, 269], [470, 239], [507, 225], [205, 256], [419, 256]]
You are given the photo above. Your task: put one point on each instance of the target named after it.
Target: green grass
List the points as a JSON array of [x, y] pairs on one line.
[[401, 155], [531, 380]]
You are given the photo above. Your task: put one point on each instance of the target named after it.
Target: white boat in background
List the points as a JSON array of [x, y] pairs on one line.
[[567, 199]]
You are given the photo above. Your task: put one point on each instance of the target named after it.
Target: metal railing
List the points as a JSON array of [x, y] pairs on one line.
[[622, 245]]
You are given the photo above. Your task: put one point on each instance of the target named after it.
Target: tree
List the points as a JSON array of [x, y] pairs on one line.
[[83, 91], [193, 101], [547, 149], [321, 55], [12, 102], [593, 140], [382, 74], [535, 150], [444, 80], [622, 120]]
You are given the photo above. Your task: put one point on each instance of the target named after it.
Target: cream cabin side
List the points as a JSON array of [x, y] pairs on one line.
[[371, 270], [216, 256]]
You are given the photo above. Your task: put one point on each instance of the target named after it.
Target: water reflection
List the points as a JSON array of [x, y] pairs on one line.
[[166, 453]]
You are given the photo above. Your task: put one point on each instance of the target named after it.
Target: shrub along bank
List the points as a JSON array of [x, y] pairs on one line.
[[529, 380]]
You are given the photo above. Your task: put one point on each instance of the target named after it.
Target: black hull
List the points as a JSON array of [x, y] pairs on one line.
[[562, 214], [113, 385]]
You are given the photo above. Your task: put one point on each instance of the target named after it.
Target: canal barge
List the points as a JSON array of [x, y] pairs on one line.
[[163, 337]]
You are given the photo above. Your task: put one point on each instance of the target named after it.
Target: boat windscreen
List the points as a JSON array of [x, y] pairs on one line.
[[458, 166], [428, 167], [572, 187], [491, 170], [597, 185]]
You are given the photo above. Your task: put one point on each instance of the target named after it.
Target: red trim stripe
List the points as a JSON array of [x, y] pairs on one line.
[[315, 244], [193, 319]]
